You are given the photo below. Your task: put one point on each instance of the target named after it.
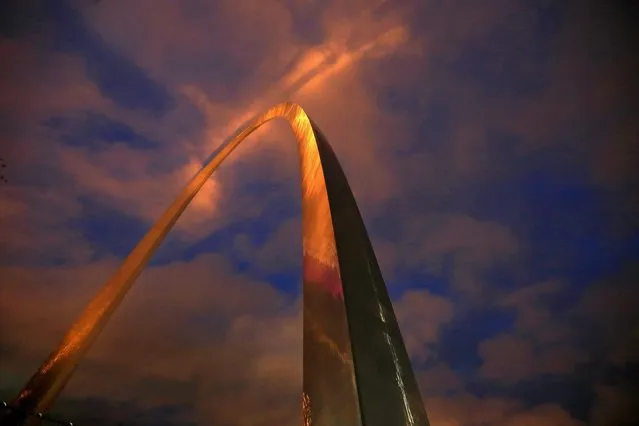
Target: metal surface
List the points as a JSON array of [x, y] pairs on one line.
[[356, 371]]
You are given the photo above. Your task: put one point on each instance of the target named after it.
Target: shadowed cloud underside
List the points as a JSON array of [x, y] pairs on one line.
[[356, 370]]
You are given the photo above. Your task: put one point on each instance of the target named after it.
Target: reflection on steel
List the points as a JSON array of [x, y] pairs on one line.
[[356, 370]]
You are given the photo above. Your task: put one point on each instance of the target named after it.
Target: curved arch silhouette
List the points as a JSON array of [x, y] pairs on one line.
[[356, 370]]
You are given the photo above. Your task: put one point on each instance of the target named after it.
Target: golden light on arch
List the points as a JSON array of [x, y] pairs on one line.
[[356, 370]]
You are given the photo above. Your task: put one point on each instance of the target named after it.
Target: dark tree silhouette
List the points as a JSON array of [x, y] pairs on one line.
[[3, 166]]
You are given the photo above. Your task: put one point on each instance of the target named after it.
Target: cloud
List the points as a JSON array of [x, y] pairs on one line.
[[477, 241], [599, 331], [474, 246], [420, 315], [34, 231], [437, 111], [439, 379], [282, 251], [541, 342], [325, 77], [469, 410], [187, 333], [608, 308], [534, 318], [164, 348], [118, 77], [511, 358]]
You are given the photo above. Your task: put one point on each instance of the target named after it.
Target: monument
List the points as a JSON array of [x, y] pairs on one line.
[[356, 371]]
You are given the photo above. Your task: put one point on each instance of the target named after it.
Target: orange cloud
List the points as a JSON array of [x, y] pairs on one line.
[[469, 410], [325, 77], [184, 326]]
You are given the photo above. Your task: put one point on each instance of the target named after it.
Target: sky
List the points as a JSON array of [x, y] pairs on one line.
[[491, 146]]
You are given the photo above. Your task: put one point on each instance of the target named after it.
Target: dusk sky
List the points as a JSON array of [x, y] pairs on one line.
[[492, 147]]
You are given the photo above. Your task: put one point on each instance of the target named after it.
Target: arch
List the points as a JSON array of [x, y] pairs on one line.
[[356, 370]]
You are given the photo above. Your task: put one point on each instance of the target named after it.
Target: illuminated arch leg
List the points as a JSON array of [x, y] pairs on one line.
[[355, 367]]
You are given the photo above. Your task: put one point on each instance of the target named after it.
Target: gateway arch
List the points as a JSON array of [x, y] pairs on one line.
[[356, 371]]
